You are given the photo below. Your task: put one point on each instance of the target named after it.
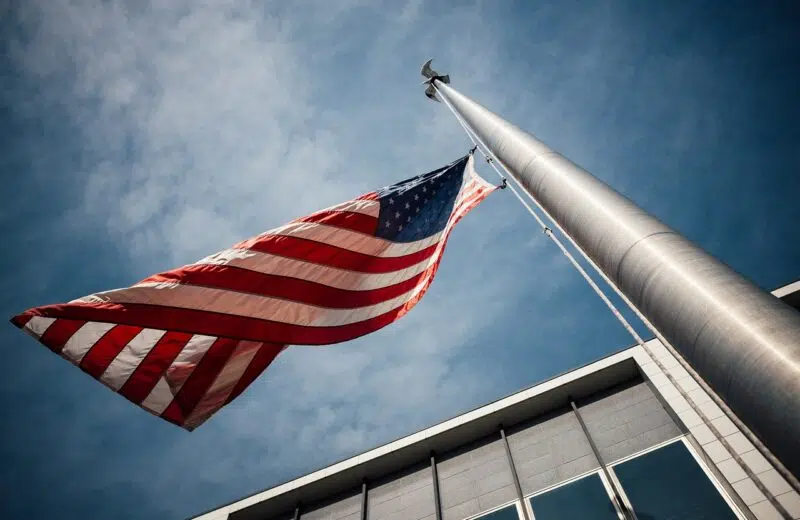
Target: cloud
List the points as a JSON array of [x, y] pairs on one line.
[[195, 120], [201, 123], [144, 135]]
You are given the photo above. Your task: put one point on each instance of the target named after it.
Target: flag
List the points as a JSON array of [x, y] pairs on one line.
[[184, 343]]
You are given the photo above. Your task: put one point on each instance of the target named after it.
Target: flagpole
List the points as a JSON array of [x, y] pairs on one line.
[[743, 341]]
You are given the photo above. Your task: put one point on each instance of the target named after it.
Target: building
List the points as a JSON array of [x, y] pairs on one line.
[[631, 434]]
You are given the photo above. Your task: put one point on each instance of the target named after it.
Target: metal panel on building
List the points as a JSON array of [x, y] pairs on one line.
[[344, 507], [475, 478], [627, 420], [549, 450], [636, 405], [407, 495]]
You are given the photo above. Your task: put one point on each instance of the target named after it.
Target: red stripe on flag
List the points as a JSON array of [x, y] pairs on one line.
[[227, 325], [344, 219], [215, 324], [210, 373], [251, 282], [173, 414], [154, 365], [200, 380], [263, 358], [21, 320], [59, 332], [325, 254], [106, 349]]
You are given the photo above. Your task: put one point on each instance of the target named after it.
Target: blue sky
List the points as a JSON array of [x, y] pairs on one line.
[[141, 136]]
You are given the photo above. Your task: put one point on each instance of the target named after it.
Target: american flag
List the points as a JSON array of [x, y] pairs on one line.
[[184, 343]]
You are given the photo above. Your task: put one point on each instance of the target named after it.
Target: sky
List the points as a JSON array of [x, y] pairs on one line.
[[140, 136]]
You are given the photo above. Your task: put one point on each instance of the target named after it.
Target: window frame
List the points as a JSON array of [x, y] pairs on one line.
[[525, 505], [606, 486], [737, 512], [515, 503]]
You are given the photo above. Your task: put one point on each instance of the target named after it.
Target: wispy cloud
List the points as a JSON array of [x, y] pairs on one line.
[[201, 123], [145, 135]]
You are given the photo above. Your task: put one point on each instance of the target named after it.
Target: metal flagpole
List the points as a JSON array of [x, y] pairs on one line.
[[744, 342], [726, 442], [492, 161]]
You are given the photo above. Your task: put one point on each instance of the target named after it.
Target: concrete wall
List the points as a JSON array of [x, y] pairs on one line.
[[547, 450], [474, 479], [550, 450], [344, 507], [627, 421], [404, 496]]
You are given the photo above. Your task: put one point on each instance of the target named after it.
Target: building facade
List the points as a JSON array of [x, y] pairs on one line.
[[631, 436]]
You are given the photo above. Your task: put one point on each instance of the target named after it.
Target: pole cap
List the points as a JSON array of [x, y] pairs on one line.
[[430, 76]]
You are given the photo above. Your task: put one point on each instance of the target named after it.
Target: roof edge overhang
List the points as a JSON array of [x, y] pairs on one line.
[[536, 400], [374, 464]]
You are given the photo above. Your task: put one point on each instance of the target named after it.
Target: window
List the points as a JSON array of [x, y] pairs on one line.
[[668, 483], [584, 499], [507, 513]]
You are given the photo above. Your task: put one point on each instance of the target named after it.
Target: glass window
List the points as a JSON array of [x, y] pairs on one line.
[[507, 513], [667, 483], [583, 499]]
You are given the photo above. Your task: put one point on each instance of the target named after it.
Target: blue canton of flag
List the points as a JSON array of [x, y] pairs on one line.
[[420, 207]]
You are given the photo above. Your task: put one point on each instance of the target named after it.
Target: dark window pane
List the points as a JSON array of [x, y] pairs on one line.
[[668, 484], [584, 499], [507, 513]]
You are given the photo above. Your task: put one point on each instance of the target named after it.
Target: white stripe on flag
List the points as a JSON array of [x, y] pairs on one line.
[[38, 325], [366, 207], [363, 243], [266, 263], [264, 307], [351, 240], [187, 359], [190, 356], [84, 339], [159, 397], [225, 381], [473, 175], [331, 276], [118, 372]]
